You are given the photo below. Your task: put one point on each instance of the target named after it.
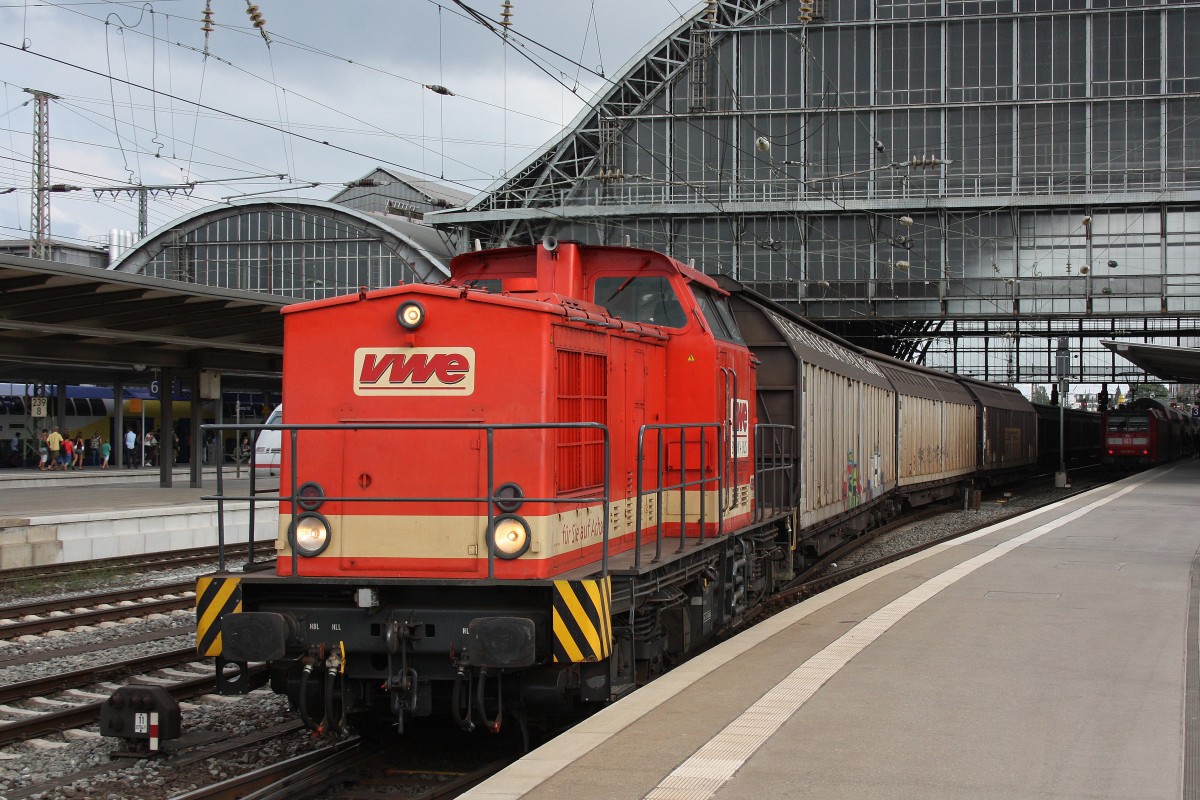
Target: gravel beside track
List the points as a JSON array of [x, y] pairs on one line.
[[36, 768], [994, 508]]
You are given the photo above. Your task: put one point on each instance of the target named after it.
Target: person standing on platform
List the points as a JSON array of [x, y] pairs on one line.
[[130, 447], [43, 451], [54, 442], [94, 449], [105, 452], [80, 450], [150, 445], [68, 448]]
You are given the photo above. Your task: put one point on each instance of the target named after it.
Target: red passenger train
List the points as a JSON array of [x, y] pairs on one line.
[[544, 481]]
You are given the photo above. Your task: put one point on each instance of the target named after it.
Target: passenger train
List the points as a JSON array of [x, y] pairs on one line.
[[90, 410], [542, 482]]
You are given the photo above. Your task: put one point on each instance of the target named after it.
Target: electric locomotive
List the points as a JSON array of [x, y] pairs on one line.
[[1146, 432], [525, 489]]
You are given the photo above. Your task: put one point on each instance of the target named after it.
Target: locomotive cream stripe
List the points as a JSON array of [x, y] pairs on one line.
[[434, 537]]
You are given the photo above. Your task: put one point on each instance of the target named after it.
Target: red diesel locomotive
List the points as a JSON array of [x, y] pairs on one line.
[[540, 483]]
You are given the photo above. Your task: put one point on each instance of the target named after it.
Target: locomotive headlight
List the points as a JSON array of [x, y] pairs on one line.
[[410, 315], [309, 534], [510, 536]]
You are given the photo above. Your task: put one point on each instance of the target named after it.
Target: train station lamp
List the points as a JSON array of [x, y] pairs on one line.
[[1063, 363]]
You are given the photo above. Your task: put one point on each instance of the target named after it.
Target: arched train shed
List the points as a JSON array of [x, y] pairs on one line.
[[307, 249]]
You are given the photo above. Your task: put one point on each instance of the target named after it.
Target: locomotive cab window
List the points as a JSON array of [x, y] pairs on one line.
[[717, 314], [648, 299]]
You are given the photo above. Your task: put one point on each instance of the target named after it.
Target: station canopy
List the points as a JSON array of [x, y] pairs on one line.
[[62, 323], [1172, 364]]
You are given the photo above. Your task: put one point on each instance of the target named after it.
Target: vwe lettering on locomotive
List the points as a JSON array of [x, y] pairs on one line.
[[427, 371]]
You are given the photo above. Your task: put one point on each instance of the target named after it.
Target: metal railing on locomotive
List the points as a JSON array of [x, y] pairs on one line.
[[774, 484], [682, 485], [491, 501], [774, 468]]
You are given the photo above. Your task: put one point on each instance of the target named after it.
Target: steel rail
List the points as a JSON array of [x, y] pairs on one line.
[[278, 776], [141, 563], [83, 601], [36, 687], [35, 626], [89, 713]]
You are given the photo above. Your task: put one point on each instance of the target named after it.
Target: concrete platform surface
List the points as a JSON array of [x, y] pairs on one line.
[[66, 517], [1048, 656]]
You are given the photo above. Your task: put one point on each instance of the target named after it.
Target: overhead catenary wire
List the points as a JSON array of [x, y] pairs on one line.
[[240, 117], [420, 142]]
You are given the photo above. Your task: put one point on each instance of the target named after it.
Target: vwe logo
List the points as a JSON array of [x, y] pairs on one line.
[[428, 371]]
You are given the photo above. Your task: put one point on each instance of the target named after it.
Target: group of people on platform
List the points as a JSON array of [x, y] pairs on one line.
[[55, 450], [62, 451], [150, 451]]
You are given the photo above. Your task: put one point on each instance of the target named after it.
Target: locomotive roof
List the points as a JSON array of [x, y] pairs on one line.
[[616, 257], [598, 258]]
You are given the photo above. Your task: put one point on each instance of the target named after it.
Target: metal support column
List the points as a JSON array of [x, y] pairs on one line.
[[166, 428]]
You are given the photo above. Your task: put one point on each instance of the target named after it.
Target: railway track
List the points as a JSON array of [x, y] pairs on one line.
[[108, 606], [75, 679], [44, 655], [355, 768], [74, 572], [78, 709], [189, 753]]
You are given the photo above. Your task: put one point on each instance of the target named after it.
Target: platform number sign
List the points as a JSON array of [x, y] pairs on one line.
[[37, 407]]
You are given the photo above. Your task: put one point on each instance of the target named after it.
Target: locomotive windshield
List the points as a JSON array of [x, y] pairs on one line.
[[647, 299], [1119, 423], [717, 314]]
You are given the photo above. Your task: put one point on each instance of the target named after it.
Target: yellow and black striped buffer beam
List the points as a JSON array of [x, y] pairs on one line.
[[215, 597], [582, 621]]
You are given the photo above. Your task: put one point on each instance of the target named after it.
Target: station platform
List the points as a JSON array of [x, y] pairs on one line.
[[1050, 655], [65, 517]]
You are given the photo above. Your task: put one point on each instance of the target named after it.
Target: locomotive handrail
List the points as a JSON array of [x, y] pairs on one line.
[[491, 499], [682, 486], [730, 378], [600, 323]]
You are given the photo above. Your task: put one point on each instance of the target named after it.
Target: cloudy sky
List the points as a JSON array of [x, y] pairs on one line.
[[145, 97]]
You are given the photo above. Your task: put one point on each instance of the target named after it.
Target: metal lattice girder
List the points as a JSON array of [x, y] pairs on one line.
[[558, 169]]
